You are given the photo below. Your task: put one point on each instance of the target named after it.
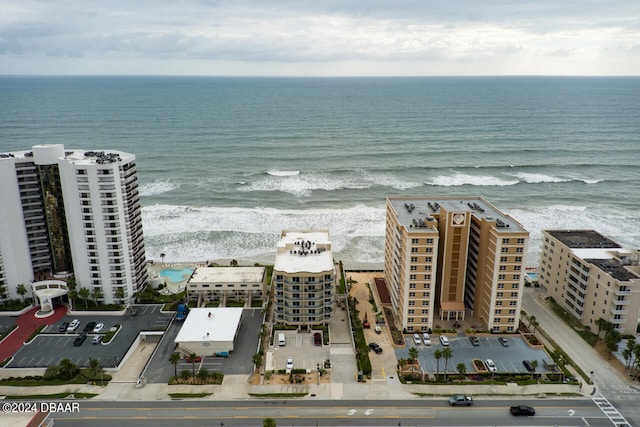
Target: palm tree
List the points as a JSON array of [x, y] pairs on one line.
[[437, 355], [447, 353], [413, 354], [532, 319], [535, 325], [461, 368], [68, 369], [193, 357], [72, 294], [84, 294], [3, 292], [162, 255], [602, 324], [94, 364], [534, 365], [174, 359], [120, 294], [96, 294], [22, 291]]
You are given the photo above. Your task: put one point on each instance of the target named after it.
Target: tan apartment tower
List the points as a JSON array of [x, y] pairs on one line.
[[592, 277], [304, 279], [448, 258]]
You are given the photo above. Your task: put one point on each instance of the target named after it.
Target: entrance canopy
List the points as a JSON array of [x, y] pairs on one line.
[[46, 290]]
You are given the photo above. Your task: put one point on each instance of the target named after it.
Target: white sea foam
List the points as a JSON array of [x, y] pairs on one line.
[[276, 172], [157, 187], [304, 184], [538, 178], [458, 179]]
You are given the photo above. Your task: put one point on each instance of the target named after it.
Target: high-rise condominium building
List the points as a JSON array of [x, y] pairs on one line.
[[447, 258], [74, 213], [592, 277], [304, 278]]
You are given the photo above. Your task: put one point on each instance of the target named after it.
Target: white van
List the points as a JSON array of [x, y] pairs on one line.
[[281, 340]]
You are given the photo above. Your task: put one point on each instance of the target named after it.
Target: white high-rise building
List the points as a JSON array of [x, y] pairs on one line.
[[74, 213]]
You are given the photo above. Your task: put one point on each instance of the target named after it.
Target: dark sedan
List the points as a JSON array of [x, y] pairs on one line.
[[522, 410]]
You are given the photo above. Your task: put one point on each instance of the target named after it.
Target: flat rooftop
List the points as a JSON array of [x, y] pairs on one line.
[[210, 324], [228, 275], [582, 239], [613, 268], [75, 155], [304, 251], [416, 213]]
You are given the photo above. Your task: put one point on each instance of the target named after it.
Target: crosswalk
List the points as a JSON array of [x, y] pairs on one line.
[[610, 411]]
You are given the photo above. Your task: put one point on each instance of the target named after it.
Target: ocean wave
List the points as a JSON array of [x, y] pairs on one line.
[[276, 172], [538, 178], [186, 233], [303, 185], [458, 179], [157, 187]]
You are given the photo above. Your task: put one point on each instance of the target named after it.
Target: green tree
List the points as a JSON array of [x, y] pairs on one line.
[[68, 369], [437, 355], [96, 294], [203, 374], [3, 292], [601, 323], [447, 353], [535, 325], [612, 339], [193, 358], [94, 365], [534, 365], [532, 319], [84, 294], [120, 294], [626, 354], [268, 422], [185, 374], [22, 291], [174, 359], [413, 354], [257, 359], [461, 368]]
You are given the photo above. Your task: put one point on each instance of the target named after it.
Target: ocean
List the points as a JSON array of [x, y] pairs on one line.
[[225, 164]]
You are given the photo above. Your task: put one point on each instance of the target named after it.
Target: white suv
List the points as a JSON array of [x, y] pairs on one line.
[[416, 339], [444, 341], [490, 365]]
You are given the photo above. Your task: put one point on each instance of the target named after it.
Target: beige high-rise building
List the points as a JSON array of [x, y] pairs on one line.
[[592, 277], [447, 258]]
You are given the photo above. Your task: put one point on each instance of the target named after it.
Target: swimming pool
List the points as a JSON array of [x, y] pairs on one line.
[[175, 276], [533, 276]]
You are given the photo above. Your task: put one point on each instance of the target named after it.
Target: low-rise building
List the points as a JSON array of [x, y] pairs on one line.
[[209, 331], [592, 277], [227, 283]]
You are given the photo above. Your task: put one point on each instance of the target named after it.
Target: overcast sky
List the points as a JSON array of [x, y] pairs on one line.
[[321, 37]]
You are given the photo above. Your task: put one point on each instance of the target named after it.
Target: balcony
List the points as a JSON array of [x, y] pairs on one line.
[[621, 312], [620, 293]]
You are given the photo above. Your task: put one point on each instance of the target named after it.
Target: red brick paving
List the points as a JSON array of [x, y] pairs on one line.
[[27, 324]]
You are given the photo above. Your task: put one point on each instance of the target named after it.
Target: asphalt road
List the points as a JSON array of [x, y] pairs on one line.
[[416, 412]]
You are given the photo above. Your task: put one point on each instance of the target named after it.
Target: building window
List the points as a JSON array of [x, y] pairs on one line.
[[425, 302], [505, 241], [427, 277], [414, 241], [410, 319], [412, 285], [519, 250], [521, 241], [429, 250], [410, 311], [414, 259], [414, 268], [498, 303], [500, 285], [503, 259], [503, 268], [412, 277], [414, 250], [427, 259], [429, 241], [504, 250], [412, 303], [496, 320], [412, 294], [425, 312]]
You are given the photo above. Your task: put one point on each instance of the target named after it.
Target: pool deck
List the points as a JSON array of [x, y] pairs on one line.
[[173, 287]]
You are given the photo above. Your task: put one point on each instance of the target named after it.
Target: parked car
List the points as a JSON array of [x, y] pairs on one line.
[[474, 340], [460, 400], [491, 367], [97, 339], [527, 365], [522, 410], [89, 327], [416, 339], [98, 328], [444, 340], [73, 325], [375, 347], [426, 339], [289, 365], [79, 340], [378, 329], [504, 341], [317, 338], [63, 327]]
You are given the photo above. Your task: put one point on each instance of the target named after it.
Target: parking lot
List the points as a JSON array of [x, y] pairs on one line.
[[51, 346], [507, 359], [240, 361], [301, 348]]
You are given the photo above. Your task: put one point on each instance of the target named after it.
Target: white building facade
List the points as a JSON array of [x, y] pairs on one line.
[[304, 278], [74, 212]]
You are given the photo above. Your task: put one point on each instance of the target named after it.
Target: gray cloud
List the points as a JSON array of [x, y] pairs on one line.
[[299, 35]]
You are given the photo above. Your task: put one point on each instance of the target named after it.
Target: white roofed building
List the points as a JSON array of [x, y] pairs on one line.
[[209, 331], [227, 283], [304, 278]]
